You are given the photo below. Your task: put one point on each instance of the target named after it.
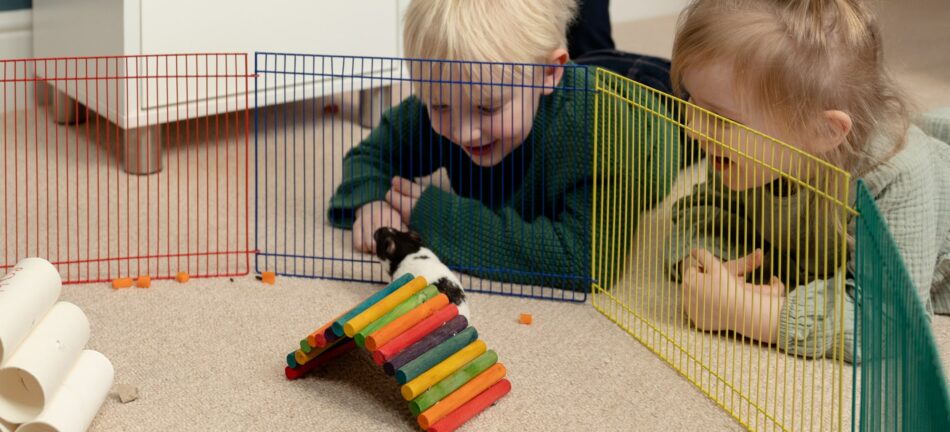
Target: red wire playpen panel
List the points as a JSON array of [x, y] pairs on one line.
[[126, 166]]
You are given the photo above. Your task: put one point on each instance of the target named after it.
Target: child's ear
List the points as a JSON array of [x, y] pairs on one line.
[[838, 124], [553, 74]]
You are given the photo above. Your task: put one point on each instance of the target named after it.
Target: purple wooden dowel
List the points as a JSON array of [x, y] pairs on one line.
[[425, 344]]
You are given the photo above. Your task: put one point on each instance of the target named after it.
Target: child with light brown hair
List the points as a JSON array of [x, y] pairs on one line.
[[497, 103], [809, 73]]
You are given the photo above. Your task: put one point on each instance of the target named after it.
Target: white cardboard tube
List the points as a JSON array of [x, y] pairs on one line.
[[38, 367], [79, 399], [7, 427], [27, 292]]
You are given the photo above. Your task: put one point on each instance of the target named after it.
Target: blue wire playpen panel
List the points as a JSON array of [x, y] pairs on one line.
[[497, 217], [900, 385]]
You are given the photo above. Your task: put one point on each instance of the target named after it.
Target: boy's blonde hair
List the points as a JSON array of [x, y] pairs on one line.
[[497, 31], [795, 59]]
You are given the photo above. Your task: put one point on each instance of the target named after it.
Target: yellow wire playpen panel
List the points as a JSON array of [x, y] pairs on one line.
[[753, 192]]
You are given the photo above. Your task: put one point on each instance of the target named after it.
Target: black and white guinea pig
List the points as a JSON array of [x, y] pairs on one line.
[[403, 252]]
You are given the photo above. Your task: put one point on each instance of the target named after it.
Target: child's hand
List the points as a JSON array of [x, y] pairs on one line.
[[403, 196], [715, 293], [371, 217]]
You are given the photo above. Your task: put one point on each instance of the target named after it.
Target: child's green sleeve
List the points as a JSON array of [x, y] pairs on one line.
[[464, 232], [502, 245], [710, 218], [638, 162], [397, 147]]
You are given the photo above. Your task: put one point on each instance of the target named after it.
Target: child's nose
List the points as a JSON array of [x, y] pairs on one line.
[[466, 132], [690, 123], [705, 129]]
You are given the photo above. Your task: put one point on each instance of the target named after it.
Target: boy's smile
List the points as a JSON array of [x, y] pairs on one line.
[[487, 112], [487, 136], [480, 151]]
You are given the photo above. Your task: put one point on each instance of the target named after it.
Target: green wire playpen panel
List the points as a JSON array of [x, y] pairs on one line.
[[900, 384]]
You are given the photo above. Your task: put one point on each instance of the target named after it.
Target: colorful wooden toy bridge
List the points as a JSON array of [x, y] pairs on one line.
[[448, 375]]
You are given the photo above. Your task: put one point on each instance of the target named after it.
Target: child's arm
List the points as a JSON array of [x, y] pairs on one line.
[[399, 146], [708, 219], [817, 320], [555, 249], [711, 257], [717, 297], [909, 206], [813, 320], [464, 232], [371, 217]]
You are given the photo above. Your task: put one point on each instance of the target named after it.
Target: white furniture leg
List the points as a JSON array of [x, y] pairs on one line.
[[143, 149], [65, 110], [373, 102]]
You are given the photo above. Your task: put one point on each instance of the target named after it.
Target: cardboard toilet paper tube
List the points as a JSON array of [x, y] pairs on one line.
[[78, 400], [34, 373], [27, 292], [7, 427]]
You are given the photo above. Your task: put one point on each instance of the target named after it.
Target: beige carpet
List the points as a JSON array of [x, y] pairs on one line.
[[208, 355]]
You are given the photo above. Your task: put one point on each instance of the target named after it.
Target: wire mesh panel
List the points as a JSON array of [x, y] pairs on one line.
[[902, 386], [129, 166], [495, 157], [731, 271]]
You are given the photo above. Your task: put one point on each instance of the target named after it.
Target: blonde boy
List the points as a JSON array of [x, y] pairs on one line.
[[499, 105]]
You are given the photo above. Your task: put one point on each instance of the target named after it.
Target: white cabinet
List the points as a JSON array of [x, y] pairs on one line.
[[71, 28]]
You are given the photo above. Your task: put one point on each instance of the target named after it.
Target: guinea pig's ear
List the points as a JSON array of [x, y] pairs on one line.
[[415, 237]]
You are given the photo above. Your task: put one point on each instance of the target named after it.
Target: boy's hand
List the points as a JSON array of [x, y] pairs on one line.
[[371, 217], [403, 196], [714, 293]]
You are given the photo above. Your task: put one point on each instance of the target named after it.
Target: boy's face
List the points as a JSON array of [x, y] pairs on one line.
[[486, 130], [743, 159], [490, 122]]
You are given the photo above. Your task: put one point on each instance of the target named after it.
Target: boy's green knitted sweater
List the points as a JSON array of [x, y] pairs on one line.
[[527, 219]]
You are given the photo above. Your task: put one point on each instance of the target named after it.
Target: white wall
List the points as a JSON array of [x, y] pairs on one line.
[[16, 41], [632, 10], [16, 26], [16, 34]]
